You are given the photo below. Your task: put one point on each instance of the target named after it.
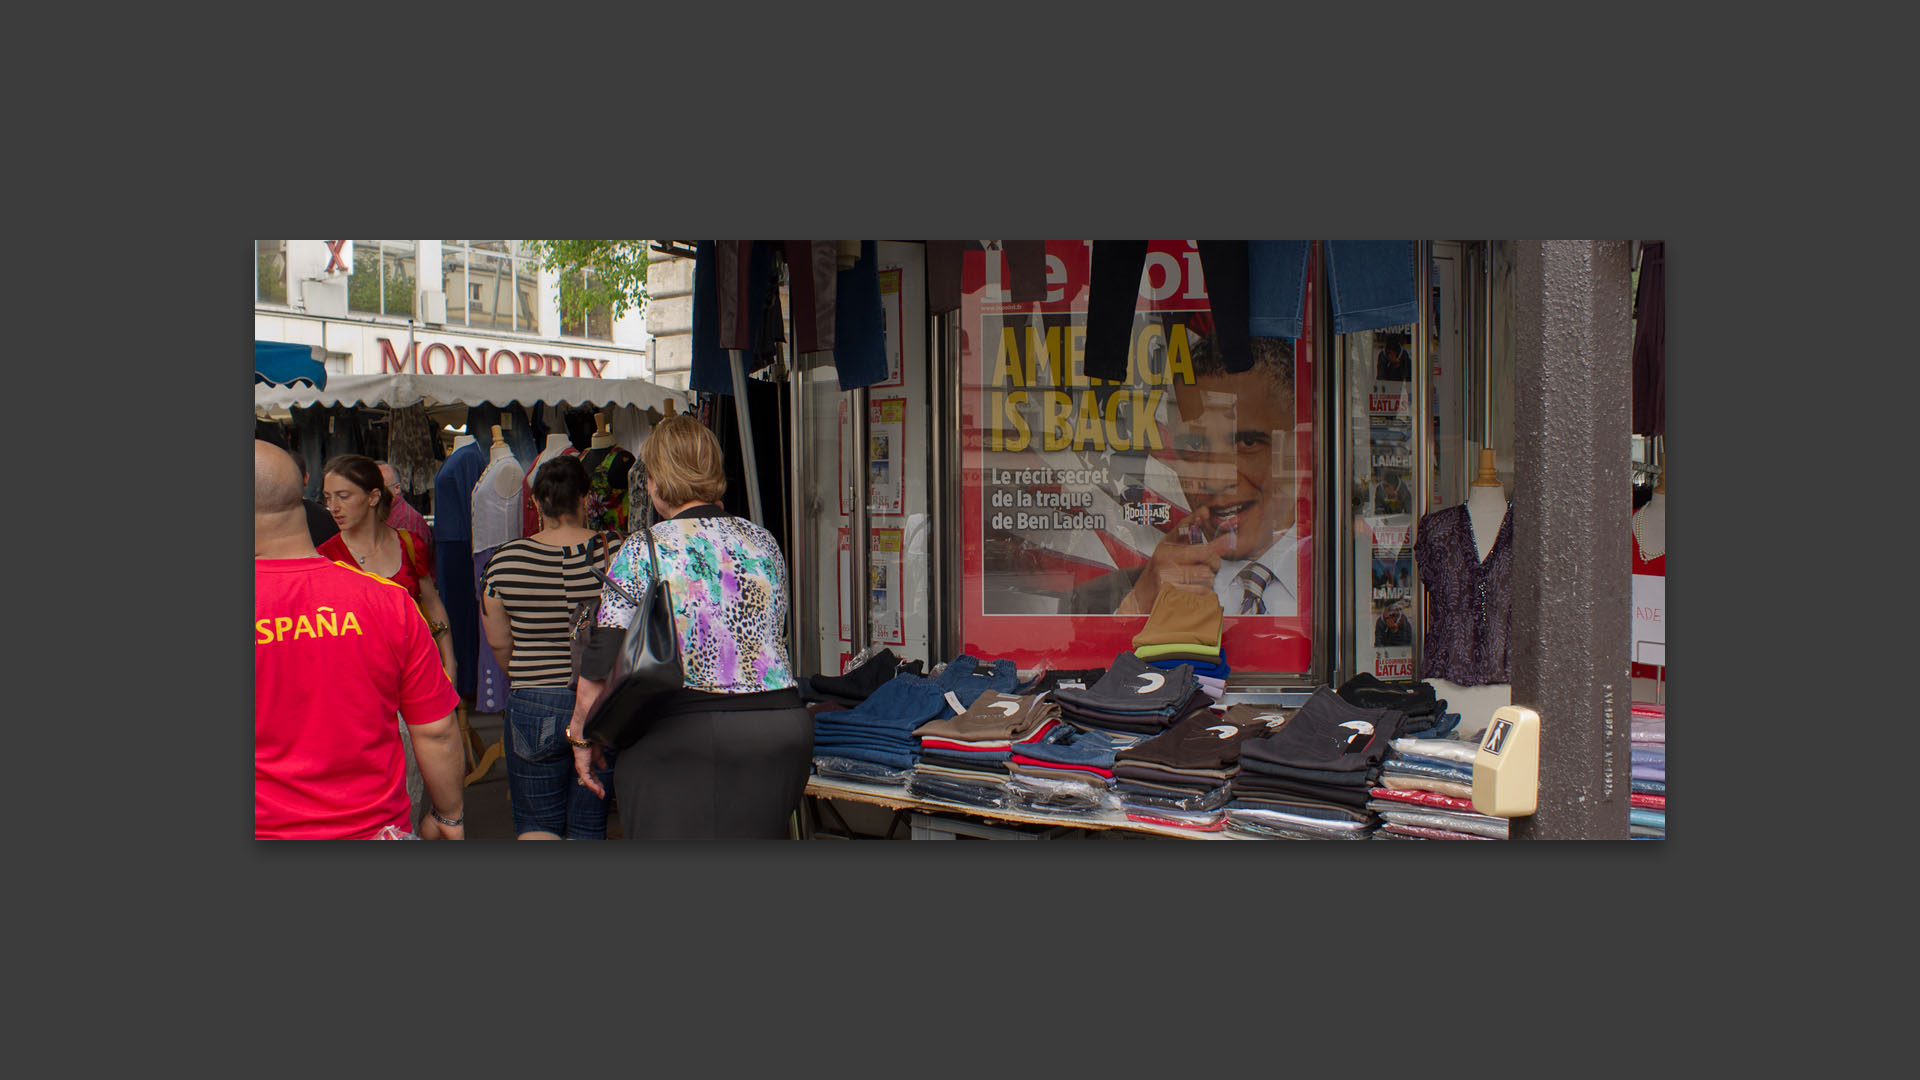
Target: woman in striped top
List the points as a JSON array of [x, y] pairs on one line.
[[528, 591]]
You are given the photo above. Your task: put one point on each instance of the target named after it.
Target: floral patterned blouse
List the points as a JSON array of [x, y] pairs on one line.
[[729, 585]]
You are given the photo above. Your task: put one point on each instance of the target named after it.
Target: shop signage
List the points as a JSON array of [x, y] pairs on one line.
[[1649, 619], [440, 358], [1070, 484]]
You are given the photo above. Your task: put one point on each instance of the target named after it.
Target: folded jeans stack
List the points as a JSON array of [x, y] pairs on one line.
[[1426, 793], [1312, 777], [879, 731]]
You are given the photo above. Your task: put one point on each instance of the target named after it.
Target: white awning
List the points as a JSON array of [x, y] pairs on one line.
[[402, 389]]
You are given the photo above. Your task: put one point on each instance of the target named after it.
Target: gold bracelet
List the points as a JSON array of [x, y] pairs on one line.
[[438, 628], [581, 743]]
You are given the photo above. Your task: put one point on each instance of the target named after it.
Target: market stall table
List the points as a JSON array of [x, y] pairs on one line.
[[921, 814]]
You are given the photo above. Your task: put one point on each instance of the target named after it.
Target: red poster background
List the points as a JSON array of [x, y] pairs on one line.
[[1265, 644]]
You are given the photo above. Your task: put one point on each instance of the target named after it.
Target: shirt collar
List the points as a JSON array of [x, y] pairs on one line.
[[1279, 559]]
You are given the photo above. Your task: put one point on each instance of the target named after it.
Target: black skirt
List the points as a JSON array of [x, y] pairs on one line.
[[701, 774]]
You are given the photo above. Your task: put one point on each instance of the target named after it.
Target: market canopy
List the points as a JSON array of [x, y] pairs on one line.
[[284, 364], [402, 389]]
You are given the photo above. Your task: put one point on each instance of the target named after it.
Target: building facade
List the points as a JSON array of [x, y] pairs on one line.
[[440, 307]]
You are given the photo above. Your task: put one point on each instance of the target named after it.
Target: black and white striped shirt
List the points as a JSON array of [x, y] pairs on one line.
[[539, 584]]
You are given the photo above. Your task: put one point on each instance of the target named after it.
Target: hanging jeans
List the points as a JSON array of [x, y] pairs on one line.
[[1276, 287], [1371, 284]]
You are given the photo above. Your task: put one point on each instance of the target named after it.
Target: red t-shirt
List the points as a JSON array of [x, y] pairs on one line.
[[413, 563], [337, 652]]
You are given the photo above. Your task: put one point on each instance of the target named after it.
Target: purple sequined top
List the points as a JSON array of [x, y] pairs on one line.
[[1469, 602]]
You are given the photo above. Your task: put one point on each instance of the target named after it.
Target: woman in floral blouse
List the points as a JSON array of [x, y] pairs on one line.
[[728, 755]]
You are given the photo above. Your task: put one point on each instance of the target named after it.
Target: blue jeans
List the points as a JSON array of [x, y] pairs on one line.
[[540, 777], [1371, 284]]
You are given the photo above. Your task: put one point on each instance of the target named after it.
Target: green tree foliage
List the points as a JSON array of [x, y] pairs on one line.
[[610, 274]]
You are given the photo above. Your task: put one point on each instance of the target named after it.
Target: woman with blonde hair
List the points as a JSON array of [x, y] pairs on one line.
[[727, 756]]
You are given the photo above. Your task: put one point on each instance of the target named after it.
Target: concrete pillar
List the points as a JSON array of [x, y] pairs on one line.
[[1572, 603]]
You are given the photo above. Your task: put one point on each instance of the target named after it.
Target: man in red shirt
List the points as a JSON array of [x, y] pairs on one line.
[[404, 516], [337, 654]]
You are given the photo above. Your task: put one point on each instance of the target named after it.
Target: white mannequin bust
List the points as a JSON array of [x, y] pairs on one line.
[[1486, 508], [461, 440], [1650, 525], [506, 481], [557, 444]]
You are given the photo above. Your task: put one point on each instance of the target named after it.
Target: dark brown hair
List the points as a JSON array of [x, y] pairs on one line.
[[561, 485], [361, 471]]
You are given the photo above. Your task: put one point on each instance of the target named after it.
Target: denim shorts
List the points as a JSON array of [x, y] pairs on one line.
[[540, 777]]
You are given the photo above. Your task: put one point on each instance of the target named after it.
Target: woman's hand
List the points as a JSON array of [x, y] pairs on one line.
[[586, 759]]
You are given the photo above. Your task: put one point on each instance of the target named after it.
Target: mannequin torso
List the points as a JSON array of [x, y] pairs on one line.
[[1650, 527], [1486, 508], [557, 444], [507, 478]]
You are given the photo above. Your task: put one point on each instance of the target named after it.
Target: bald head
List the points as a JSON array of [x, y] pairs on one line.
[[390, 477], [279, 517], [276, 480]]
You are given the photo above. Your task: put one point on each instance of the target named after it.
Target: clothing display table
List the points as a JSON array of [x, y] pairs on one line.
[[907, 807]]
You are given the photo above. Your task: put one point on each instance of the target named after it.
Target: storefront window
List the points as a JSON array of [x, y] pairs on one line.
[[897, 589], [1081, 496], [490, 285], [270, 271], [383, 278]]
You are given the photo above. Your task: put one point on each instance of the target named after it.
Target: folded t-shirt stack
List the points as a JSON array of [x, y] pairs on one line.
[[1069, 769], [1426, 712], [1132, 696], [1426, 793], [963, 758], [1184, 628], [1312, 778], [1180, 777], [1647, 816], [878, 731]]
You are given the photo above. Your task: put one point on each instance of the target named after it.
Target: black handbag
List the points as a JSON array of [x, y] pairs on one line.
[[646, 667]]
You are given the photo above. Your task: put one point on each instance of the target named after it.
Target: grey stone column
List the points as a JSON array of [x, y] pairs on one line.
[[1572, 574]]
